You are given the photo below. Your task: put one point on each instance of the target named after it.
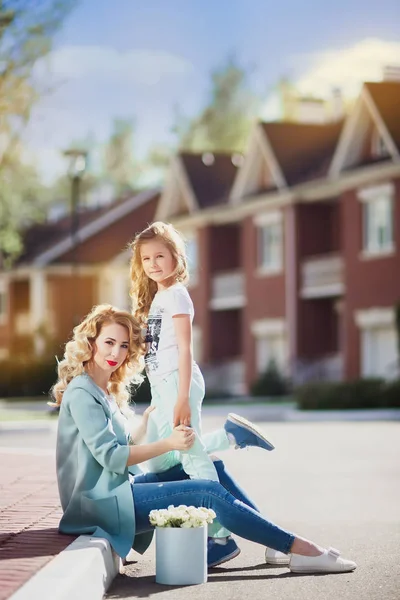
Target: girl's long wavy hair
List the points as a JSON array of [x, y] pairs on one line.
[[144, 289], [79, 352]]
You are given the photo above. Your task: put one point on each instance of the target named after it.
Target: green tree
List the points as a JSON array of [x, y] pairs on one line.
[[26, 35], [224, 123], [119, 163]]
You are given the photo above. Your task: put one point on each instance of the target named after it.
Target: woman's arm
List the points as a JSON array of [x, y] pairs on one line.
[[183, 331], [181, 438], [97, 433]]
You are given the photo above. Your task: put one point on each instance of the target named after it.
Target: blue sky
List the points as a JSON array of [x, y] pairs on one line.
[[124, 58]]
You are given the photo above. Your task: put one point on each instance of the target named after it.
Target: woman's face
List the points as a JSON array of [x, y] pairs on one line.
[[111, 347]]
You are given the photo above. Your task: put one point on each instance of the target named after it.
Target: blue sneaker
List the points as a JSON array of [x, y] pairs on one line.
[[221, 553], [245, 433]]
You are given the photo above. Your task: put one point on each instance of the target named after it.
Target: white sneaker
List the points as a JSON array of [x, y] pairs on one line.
[[328, 562], [274, 557]]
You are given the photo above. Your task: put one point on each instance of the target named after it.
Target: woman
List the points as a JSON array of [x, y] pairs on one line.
[[95, 448]]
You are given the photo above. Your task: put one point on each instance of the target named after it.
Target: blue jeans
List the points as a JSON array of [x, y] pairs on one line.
[[233, 508]]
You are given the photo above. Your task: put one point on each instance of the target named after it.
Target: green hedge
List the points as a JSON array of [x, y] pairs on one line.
[[27, 378], [357, 394], [270, 383]]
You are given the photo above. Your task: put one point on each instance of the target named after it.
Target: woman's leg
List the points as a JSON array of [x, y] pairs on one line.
[[227, 481], [231, 513]]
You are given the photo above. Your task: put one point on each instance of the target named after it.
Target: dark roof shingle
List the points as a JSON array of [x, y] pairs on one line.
[[386, 97], [303, 150], [211, 183]]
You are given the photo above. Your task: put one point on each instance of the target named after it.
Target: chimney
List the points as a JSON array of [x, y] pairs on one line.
[[337, 108], [391, 73]]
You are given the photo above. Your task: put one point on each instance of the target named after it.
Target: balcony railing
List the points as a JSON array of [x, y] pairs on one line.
[[326, 368], [322, 276], [227, 377], [227, 290]]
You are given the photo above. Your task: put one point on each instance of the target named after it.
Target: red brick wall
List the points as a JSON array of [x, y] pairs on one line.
[[265, 295], [368, 282], [200, 293]]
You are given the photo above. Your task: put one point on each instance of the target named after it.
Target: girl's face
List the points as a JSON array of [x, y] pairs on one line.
[[111, 347], [157, 262]]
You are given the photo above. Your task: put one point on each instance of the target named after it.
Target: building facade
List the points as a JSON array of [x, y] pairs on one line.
[[294, 252]]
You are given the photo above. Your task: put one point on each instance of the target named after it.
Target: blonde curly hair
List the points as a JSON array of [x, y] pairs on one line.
[[79, 351], [144, 289]]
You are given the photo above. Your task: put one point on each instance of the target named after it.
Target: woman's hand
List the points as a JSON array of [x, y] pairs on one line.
[[181, 438], [182, 414]]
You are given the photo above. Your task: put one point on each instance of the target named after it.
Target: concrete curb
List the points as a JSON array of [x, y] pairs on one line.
[[83, 571], [33, 425]]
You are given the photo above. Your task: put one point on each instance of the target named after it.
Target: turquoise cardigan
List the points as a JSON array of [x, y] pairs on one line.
[[93, 479]]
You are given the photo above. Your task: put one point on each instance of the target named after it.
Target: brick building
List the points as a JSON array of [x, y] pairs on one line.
[[294, 251]]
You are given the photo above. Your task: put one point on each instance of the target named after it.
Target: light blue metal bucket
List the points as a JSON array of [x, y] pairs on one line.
[[181, 555]]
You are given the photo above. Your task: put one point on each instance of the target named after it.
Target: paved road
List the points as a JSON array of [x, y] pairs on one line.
[[337, 483]]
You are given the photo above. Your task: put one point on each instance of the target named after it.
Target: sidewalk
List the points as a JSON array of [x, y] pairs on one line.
[[29, 516]]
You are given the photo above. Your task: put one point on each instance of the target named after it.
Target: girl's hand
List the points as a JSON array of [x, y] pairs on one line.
[[182, 438], [146, 414], [182, 414]]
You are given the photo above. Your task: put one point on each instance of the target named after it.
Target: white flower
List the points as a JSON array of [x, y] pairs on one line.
[[181, 516]]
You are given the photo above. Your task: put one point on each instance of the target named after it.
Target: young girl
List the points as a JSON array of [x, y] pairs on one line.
[[162, 304]]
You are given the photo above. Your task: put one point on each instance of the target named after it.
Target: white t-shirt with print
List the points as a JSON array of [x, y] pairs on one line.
[[161, 357]]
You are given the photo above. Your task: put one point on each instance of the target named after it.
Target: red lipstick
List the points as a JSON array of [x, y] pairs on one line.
[[112, 363]]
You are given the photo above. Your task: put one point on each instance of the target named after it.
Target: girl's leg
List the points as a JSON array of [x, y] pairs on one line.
[[196, 461], [231, 513]]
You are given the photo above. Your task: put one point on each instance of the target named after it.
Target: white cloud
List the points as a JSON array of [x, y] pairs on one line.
[[141, 66], [318, 74], [348, 68]]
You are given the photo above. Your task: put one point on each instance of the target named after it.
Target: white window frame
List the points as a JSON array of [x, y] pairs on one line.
[[4, 301], [271, 223], [271, 329], [375, 202], [191, 237], [370, 321]]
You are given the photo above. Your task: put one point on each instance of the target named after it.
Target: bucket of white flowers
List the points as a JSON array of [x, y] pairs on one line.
[[181, 544]]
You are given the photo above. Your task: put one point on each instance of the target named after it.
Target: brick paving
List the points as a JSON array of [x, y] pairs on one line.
[[29, 516]]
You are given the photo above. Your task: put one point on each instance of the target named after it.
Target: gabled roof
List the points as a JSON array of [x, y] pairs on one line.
[[196, 181], [376, 113], [303, 150], [46, 242], [211, 183], [290, 152], [386, 97]]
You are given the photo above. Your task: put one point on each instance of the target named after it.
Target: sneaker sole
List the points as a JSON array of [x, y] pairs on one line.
[[233, 554], [278, 561], [310, 571], [233, 418]]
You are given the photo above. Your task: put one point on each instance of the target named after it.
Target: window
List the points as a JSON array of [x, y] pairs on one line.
[[192, 258], [270, 348], [378, 219], [378, 146], [269, 242], [379, 352], [270, 343], [378, 342], [3, 303]]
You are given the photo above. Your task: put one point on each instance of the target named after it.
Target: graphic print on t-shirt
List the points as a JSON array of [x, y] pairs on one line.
[[153, 339]]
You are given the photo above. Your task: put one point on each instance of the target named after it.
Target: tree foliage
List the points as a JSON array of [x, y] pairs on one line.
[[119, 164], [26, 33], [224, 123]]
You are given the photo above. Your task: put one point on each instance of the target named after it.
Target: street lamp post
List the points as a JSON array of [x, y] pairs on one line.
[[77, 164]]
